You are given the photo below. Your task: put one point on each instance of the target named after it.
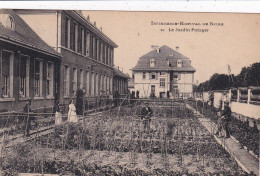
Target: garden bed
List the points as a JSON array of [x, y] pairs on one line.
[[114, 143]]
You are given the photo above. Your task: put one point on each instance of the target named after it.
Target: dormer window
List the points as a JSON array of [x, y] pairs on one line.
[[179, 63], [152, 63], [10, 22]]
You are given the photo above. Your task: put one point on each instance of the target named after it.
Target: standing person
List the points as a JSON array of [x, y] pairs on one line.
[[58, 117], [225, 120], [146, 114], [72, 115], [27, 117]]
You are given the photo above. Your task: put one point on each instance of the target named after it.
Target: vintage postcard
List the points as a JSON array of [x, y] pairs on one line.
[[129, 92]]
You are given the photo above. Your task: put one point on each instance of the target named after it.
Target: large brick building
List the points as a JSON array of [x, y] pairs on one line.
[[88, 54], [164, 71], [28, 66]]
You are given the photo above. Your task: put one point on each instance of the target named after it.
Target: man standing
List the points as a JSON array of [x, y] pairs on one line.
[[146, 114], [225, 120], [27, 117]]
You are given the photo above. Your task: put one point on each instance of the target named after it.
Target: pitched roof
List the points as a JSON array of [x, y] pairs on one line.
[[164, 52], [165, 59], [119, 73], [23, 34]]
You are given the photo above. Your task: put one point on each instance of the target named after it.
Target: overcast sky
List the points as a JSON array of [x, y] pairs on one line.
[[236, 43]]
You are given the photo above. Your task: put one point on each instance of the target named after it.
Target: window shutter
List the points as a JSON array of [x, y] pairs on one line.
[[179, 76], [156, 76], [150, 75]]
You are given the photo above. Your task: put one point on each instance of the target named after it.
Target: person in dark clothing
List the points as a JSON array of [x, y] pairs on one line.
[[225, 120], [146, 114], [27, 117]]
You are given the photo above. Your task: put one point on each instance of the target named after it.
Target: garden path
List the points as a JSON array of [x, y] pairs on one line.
[[244, 159]]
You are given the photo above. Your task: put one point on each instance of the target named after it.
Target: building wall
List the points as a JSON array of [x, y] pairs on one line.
[[185, 82], [15, 100], [82, 47], [144, 85]]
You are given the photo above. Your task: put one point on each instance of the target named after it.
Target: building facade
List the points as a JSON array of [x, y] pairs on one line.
[[29, 68], [120, 82], [88, 54], [164, 72]]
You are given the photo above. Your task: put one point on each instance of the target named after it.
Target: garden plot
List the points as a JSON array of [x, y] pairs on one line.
[[114, 143]]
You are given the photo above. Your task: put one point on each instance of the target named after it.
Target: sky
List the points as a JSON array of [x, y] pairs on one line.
[[236, 42]]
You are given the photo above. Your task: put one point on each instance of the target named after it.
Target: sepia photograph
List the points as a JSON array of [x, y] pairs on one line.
[[131, 93]]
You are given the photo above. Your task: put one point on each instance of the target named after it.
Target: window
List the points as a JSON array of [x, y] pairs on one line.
[[74, 83], [7, 76], [92, 83], [97, 84], [152, 63], [10, 22], [153, 88], [97, 50], [83, 40], [72, 36], [93, 46], [76, 37], [38, 77], [179, 63], [153, 75], [105, 84], [81, 79], [24, 67], [66, 80], [101, 52], [49, 80], [79, 39], [162, 82], [67, 32], [144, 75], [87, 83], [175, 77], [87, 43]]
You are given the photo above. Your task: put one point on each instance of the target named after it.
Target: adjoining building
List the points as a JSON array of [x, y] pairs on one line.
[[120, 82], [28, 66], [88, 54], [164, 72]]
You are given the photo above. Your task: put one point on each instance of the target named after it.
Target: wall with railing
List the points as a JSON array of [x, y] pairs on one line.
[[243, 100]]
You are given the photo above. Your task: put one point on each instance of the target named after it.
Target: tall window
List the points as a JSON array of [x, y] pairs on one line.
[[83, 41], [87, 82], [76, 36], [72, 35], [105, 84], [87, 43], [80, 39], [24, 67], [50, 71], [37, 77], [7, 74], [92, 83], [162, 82], [144, 75], [67, 32], [81, 79], [66, 80], [74, 83], [97, 84], [153, 88], [93, 47]]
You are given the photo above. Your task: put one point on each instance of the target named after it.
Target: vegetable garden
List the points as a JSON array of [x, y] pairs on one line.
[[113, 142]]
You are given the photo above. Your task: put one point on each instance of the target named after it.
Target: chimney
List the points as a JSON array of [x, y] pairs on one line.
[[88, 18], [177, 48], [94, 23], [101, 28], [156, 47]]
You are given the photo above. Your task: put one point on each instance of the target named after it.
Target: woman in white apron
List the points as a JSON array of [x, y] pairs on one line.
[[72, 116]]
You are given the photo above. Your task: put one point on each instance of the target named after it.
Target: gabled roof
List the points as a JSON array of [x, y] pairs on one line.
[[119, 73], [165, 59], [23, 34]]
